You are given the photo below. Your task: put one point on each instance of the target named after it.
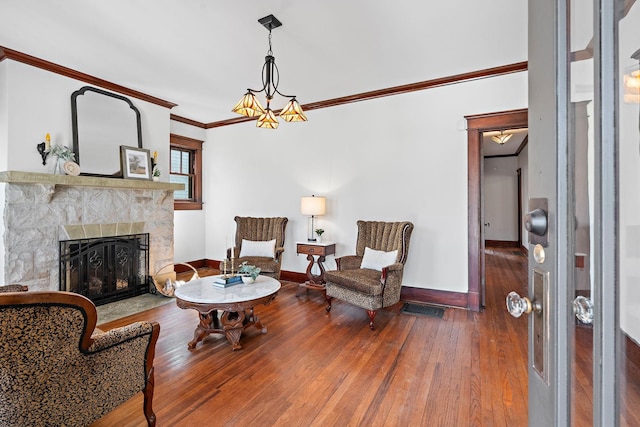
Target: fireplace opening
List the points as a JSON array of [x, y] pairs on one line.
[[105, 269]]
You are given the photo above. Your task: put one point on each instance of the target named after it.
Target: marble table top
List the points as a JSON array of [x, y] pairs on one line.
[[204, 291]]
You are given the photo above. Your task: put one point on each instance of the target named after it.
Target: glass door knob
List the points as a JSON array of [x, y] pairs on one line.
[[517, 305], [583, 308]]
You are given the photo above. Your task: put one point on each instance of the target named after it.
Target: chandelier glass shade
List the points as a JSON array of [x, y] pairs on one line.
[[250, 107], [502, 138]]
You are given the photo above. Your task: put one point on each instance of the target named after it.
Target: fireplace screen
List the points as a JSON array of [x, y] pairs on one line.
[[105, 269]]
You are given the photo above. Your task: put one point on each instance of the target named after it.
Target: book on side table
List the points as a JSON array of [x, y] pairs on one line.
[[224, 282]]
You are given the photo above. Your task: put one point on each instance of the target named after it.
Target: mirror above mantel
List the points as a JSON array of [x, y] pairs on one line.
[[101, 122]]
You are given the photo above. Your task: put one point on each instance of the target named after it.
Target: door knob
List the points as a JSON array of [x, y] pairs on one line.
[[536, 222], [517, 305], [583, 309]]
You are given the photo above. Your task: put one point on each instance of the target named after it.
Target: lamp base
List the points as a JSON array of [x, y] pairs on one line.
[[312, 240]]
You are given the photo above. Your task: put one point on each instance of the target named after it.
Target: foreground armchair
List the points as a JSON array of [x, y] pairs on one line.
[[372, 279], [260, 242], [53, 371]]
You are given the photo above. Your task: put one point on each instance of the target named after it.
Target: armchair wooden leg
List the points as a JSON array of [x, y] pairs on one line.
[[148, 400], [328, 298], [372, 315]]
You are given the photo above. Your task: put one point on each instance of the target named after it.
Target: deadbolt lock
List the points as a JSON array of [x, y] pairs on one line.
[[536, 222]]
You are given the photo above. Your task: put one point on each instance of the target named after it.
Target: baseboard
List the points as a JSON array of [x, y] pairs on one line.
[[500, 244], [420, 295], [432, 296], [632, 350], [201, 263]]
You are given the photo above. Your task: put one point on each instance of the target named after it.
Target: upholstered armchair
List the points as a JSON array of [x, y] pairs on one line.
[[56, 369], [260, 242], [372, 279]]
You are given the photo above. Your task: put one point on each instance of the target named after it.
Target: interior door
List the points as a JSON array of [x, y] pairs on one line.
[[584, 213]]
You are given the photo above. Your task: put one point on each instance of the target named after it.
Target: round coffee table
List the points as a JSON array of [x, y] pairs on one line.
[[236, 302]]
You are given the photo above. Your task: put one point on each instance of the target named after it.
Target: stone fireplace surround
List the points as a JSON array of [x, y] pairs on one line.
[[42, 209]]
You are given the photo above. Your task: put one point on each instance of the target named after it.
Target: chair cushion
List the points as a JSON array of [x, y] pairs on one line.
[[377, 260], [266, 264], [258, 248], [363, 280]]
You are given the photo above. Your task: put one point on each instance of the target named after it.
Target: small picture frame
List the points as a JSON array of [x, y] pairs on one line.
[[135, 163]]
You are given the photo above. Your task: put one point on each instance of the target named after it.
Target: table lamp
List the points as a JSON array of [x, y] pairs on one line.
[[312, 206]]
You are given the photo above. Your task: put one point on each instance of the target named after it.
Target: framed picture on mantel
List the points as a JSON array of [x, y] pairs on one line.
[[135, 163]]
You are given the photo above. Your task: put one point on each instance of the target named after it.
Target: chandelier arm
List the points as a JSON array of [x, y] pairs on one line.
[[283, 95]]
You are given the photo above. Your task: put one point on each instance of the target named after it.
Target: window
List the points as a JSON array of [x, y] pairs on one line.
[[186, 168]]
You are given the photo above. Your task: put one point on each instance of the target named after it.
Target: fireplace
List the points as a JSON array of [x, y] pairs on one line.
[[105, 269], [41, 210]]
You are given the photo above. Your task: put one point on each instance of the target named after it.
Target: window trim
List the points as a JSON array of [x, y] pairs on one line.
[[195, 145]]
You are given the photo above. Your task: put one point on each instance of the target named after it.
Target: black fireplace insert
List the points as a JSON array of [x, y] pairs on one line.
[[105, 269]]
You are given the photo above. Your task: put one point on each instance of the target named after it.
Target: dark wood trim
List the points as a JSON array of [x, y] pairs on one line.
[[476, 125], [187, 121], [519, 202], [196, 146], [500, 156], [524, 250], [501, 244], [201, 263], [524, 143], [293, 276], [426, 296], [432, 296], [6, 53], [396, 90], [632, 350]]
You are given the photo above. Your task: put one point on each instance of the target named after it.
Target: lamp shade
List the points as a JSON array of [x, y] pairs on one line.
[[312, 206], [248, 106], [267, 120], [292, 112]]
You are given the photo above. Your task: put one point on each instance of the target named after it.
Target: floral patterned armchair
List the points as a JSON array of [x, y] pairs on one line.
[[57, 369], [372, 279]]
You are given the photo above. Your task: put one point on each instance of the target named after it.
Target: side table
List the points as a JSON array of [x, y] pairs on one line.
[[313, 250]]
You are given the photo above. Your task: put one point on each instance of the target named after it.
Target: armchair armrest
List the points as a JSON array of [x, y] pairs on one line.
[[279, 251], [349, 262], [394, 267], [104, 340]]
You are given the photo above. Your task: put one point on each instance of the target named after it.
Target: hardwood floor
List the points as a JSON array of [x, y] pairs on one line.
[[317, 369]]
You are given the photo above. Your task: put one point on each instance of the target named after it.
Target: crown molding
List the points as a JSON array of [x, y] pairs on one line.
[[396, 90], [6, 53]]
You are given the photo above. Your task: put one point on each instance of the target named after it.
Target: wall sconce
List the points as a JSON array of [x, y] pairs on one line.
[[312, 206], [44, 148]]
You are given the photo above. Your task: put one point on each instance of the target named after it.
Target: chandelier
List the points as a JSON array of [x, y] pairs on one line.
[[502, 138], [249, 105]]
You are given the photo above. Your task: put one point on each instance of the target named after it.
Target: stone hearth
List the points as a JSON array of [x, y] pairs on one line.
[[42, 209]]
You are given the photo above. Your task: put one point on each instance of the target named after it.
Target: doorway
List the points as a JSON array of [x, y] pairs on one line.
[[476, 126]]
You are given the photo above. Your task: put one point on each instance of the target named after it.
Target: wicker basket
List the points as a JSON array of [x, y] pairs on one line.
[[166, 284]]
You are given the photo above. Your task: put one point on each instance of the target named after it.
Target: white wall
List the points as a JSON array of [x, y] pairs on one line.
[[189, 226], [397, 158], [40, 103], [500, 192], [34, 102], [629, 182]]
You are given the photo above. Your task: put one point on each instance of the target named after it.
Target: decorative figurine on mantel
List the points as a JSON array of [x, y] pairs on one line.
[[62, 154]]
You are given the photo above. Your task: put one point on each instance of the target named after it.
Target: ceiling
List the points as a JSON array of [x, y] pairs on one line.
[[204, 54], [509, 148]]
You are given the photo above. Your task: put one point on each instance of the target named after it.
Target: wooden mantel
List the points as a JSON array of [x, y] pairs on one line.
[[17, 177]]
